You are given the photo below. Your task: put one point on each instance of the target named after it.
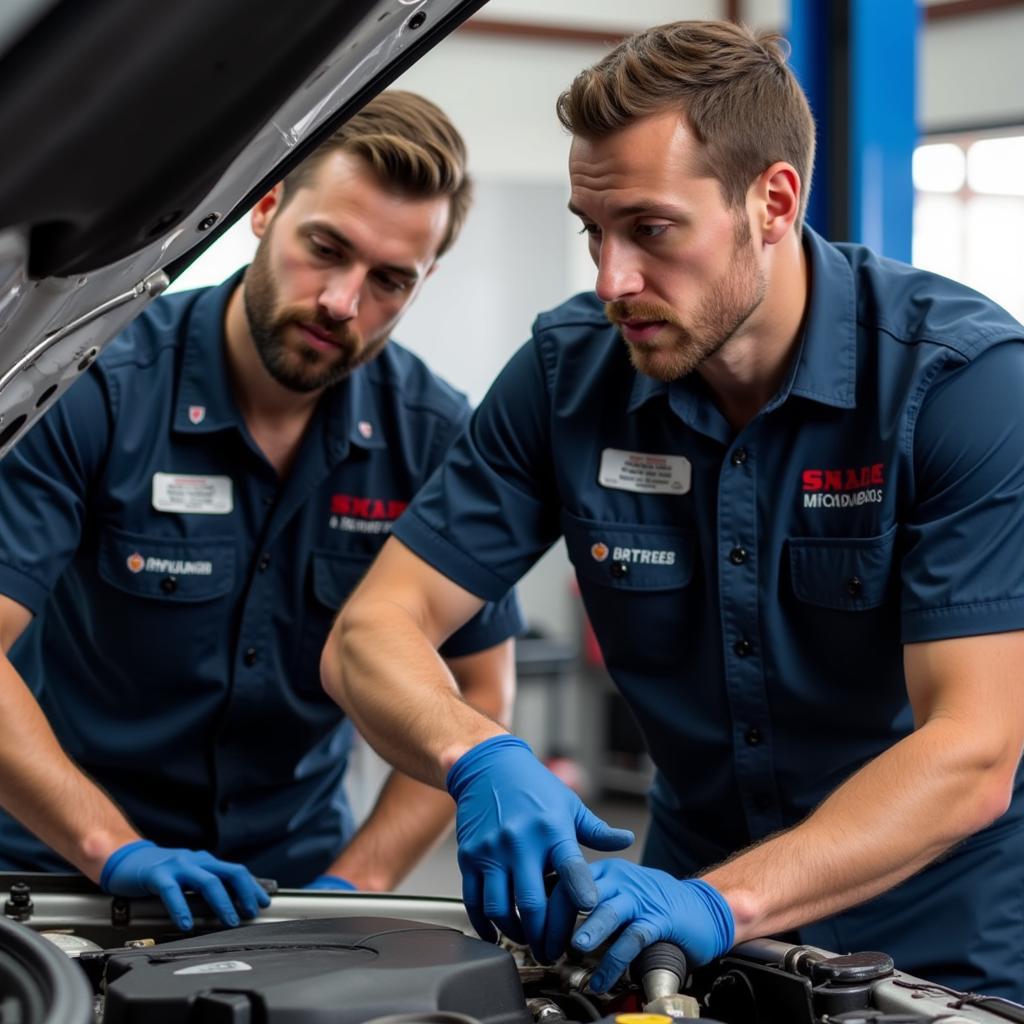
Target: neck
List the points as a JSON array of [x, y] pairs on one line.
[[276, 416], [750, 367]]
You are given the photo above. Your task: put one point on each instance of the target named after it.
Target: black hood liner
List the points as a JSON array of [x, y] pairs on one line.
[[118, 117]]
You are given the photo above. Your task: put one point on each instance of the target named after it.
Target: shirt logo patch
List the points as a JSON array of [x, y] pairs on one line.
[[365, 429], [196, 414], [168, 566], [353, 514], [599, 552], [644, 556], [843, 488]]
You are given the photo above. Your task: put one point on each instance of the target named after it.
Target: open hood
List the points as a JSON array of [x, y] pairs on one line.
[[134, 134]]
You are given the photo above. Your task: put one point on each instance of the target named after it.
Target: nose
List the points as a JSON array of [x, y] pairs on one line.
[[618, 275], [339, 297]]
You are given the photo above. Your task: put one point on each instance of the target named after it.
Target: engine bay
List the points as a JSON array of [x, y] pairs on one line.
[[72, 955]]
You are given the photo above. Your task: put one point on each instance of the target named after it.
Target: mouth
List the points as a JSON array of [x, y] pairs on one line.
[[319, 339], [640, 332]]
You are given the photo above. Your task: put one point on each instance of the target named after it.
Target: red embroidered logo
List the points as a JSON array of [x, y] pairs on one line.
[[843, 488], [364, 515]]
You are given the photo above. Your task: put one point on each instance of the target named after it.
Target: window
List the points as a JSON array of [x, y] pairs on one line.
[[969, 213]]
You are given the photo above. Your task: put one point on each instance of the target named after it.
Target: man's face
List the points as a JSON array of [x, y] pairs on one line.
[[677, 268], [337, 264]]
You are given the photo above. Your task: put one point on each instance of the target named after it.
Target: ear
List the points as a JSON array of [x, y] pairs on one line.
[[776, 195], [263, 212]]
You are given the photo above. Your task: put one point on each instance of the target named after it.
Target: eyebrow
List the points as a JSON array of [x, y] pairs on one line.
[[650, 207], [323, 228]]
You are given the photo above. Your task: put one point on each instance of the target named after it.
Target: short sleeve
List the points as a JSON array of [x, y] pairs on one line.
[[44, 484], [962, 568], [485, 516]]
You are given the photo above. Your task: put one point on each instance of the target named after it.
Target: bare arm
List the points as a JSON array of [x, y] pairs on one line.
[[381, 665], [410, 817], [951, 777], [42, 788]]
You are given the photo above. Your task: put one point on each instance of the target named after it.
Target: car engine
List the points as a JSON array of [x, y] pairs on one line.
[[72, 955]]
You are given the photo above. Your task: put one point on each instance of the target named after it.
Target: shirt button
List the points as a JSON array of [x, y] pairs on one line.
[[739, 456], [743, 648], [620, 570], [250, 657], [738, 556], [753, 737], [168, 584], [264, 563], [224, 805], [268, 499], [854, 585]]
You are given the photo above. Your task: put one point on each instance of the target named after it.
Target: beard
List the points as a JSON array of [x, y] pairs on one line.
[[296, 365], [681, 347]]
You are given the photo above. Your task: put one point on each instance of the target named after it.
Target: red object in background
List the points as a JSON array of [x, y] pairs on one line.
[[592, 655]]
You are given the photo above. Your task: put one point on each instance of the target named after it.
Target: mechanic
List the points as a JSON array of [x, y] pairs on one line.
[[794, 500], [178, 533]]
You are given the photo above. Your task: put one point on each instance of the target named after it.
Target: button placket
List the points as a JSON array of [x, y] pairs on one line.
[[739, 616]]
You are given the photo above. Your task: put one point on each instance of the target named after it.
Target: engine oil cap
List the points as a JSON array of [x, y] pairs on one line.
[[852, 968], [642, 1018]]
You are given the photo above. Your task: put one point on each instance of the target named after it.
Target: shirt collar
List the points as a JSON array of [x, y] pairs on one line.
[[206, 402], [825, 369]]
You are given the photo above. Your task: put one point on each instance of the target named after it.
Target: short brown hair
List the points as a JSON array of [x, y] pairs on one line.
[[733, 85], [412, 149]]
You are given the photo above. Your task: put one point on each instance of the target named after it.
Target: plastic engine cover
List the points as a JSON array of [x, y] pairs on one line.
[[337, 970]]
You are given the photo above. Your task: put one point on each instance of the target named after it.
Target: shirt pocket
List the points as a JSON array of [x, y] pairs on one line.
[[629, 557], [175, 571], [639, 587], [161, 612], [842, 573]]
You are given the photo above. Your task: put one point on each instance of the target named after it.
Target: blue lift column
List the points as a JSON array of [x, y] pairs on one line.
[[857, 62]]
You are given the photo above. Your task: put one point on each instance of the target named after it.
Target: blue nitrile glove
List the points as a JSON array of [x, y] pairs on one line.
[[648, 905], [335, 882], [514, 822], [142, 868]]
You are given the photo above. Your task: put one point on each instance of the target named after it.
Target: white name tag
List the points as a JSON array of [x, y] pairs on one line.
[[648, 474], [202, 495]]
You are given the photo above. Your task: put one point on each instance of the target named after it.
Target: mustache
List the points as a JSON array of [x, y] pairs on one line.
[[621, 310], [339, 331]]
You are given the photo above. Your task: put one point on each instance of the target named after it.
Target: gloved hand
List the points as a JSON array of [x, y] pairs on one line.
[[142, 868], [514, 822], [335, 882], [648, 905]]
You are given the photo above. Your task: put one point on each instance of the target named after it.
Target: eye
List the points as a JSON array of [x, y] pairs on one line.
[[321, 248], [391, 285], [590, 229], [651, 230]]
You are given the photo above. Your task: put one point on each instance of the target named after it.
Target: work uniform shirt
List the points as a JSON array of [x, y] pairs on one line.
[[183, 592], [751, 591]]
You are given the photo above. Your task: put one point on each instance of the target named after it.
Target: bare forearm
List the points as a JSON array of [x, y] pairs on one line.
[[407, 821], [882, 825], [46, 792], [386, 673]]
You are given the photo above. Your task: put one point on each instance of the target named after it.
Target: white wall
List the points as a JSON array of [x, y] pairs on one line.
[[970, 71]]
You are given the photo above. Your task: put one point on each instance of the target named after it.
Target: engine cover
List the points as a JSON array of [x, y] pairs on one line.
[[336, 970]]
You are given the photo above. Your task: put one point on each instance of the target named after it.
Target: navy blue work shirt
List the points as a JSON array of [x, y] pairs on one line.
[[751, 591], [182, 591]]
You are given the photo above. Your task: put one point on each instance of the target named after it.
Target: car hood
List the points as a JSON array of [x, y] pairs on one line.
[[134, 134]]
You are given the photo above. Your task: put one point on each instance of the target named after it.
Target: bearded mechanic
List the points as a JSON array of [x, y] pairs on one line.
[[794, 500], [178, 532]]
